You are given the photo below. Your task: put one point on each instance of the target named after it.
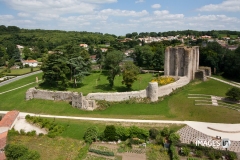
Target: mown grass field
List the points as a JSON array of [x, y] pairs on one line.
[[97, 82], [175, 107], [21, 71]]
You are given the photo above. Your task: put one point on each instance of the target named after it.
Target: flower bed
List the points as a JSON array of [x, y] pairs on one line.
[[163, 80]]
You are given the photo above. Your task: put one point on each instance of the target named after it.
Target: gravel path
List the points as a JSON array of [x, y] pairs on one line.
[[199, 126]]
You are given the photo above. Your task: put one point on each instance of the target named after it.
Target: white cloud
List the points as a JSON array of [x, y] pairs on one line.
[[52, 6], [139, 1], [6, 17], [45, 16], [227, 5], [156, 6], [21, 14], [118, 12]]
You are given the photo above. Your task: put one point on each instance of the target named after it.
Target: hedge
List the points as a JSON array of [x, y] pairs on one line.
[[105, 153]]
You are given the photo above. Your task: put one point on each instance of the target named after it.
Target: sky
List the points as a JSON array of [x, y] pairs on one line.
[[121, 16]]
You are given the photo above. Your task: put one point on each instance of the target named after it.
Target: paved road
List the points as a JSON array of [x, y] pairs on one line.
[[199, 126], [18, 77]]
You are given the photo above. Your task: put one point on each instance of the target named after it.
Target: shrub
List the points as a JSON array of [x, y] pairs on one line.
[[16, 151], [173, 153], [234, 93], [110, 133], [91, 134], [22, 132], [165, 132], [153, 132], [199, 153], [105, 153]]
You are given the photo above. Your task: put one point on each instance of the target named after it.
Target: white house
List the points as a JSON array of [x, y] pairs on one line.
[[31, 63]]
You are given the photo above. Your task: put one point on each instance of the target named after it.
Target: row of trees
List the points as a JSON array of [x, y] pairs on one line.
[[213, 33], [112, 133], [221, 60]]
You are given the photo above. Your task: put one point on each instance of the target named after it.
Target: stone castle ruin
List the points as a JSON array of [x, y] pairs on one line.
[[184, 61], [180, 62]]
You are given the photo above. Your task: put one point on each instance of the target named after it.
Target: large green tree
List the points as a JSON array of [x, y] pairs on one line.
[[130, 73], [56, 71], [79, 69], [112, 62]]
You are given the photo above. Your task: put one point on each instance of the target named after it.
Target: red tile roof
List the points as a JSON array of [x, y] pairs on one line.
[[8, 119], [30, 61], [3, 140], [2, 156]]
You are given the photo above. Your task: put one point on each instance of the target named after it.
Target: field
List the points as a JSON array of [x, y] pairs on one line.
[[175, 107], [19, 71], [231, 36]]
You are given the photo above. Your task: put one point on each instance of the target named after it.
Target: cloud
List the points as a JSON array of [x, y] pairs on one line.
[[6, 17], [21, 14], [139, 1], [227, 5], [118, 12], [156, 6], [52, 6]]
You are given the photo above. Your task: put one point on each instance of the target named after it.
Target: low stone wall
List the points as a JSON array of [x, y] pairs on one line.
[[76, 99], [169, 88], [88, 103], [152, 92]]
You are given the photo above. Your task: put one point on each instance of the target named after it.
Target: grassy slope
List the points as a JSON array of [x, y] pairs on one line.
[[174, 107]]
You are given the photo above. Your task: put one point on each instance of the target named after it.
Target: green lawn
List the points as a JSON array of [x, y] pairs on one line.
[[21, 71], [97, 82], [21, 82], [226, 79], [231, 36], [175, 107]]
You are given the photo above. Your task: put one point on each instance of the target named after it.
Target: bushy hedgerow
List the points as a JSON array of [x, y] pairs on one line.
[[105, 153], [53, 128], [173, 153]]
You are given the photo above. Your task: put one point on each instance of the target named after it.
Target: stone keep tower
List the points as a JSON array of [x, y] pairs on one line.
[[181, 61]]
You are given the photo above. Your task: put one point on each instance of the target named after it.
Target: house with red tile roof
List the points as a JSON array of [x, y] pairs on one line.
[[6, 123], [31, 63]]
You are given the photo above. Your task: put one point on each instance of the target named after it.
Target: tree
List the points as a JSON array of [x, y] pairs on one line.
[[91, 134], [143, 56], [100, 58], [130, 73], [110, 133], [56, 71], [20, 152], [122, 133], [112, 61], [165, 132], [234, 93], [27, 53], [11, 63], [174, 138], [79, 69], [158, 58]]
